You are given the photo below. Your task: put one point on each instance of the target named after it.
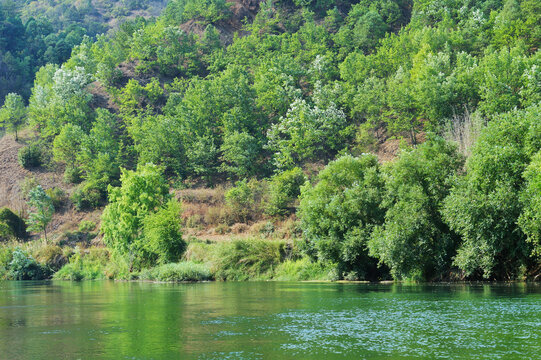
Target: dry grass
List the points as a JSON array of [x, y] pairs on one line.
[[215, 196], [464, 130]]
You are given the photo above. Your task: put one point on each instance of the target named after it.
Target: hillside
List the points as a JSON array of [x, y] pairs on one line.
[[38, 32], [389, 138]]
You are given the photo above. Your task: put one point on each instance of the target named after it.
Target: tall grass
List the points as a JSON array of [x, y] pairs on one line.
[[84, 265], [247, 259], [178, 272], [301, 270]]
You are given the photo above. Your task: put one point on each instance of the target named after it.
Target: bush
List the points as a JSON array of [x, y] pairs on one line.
[[25, 267], [87, 226], [284, 188], [246, 259], [30, 156], [88, 195], [177, 272], [51, 256], [72, 175], [11, 225], [414, 242], [267, 229], [6, 255], [58, 196], [162, 234], [84, 266], [5, 232], [222, 229], [242, 200], [27, 185]]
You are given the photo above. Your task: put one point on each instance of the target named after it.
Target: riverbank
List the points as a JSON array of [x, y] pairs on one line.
[[236, 259]]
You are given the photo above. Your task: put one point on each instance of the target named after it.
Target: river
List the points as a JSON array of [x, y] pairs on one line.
[[268, 320]]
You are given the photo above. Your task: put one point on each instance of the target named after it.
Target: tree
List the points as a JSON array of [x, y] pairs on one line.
[[42, 210], [11, 225], [530, 219], [142, 193], [239, 154], [306, 132], [162, 234], [484, 205], [414, 241], [68, 144], [340, 211], [13, 113], [284, 189]]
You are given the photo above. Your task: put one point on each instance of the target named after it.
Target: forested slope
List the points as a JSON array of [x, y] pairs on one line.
[[34, 33], [258, 97]]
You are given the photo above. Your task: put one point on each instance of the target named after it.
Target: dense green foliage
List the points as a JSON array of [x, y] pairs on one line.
[[30, 156], [35, 33], [19, 265], [11, 225], [141, 220], [307, 85], [492, 206], [414, 241], [340, 211]]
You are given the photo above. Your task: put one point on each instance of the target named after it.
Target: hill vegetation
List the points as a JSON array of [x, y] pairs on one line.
[[38, 32], [388, 138]]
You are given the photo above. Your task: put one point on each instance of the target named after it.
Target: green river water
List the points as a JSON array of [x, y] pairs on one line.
[[268, 320]]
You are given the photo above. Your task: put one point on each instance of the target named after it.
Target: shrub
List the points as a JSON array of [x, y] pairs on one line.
[[72, 175], [27, 184], [163, 235], [267, 229], [11, 225], [84, 266], [5, 232], [242, 200], [222, 229], [194, 221], [30, 156], [88, 195], [6, 255], [177, 272], [51, 256], [198, 251], [87, 226], [215, 215], [246, 259], [58, 197], [24, 267], [284, 188]]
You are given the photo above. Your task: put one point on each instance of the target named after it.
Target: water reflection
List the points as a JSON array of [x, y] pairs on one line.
[[268, 321]]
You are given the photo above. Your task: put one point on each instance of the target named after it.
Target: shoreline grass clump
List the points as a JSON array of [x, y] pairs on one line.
[[178, 272], [249, 259], [302, 270], [83, 265]]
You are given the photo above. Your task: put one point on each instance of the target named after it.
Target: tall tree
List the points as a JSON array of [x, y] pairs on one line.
[[42, 210], [13, 113]]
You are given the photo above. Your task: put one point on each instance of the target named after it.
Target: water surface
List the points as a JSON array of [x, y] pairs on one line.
[[268, 320]]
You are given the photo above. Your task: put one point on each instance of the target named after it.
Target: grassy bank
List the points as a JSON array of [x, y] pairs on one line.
[[230, 260]]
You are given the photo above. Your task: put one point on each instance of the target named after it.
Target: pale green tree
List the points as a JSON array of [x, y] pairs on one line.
[[41, 210], [13, 113]]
